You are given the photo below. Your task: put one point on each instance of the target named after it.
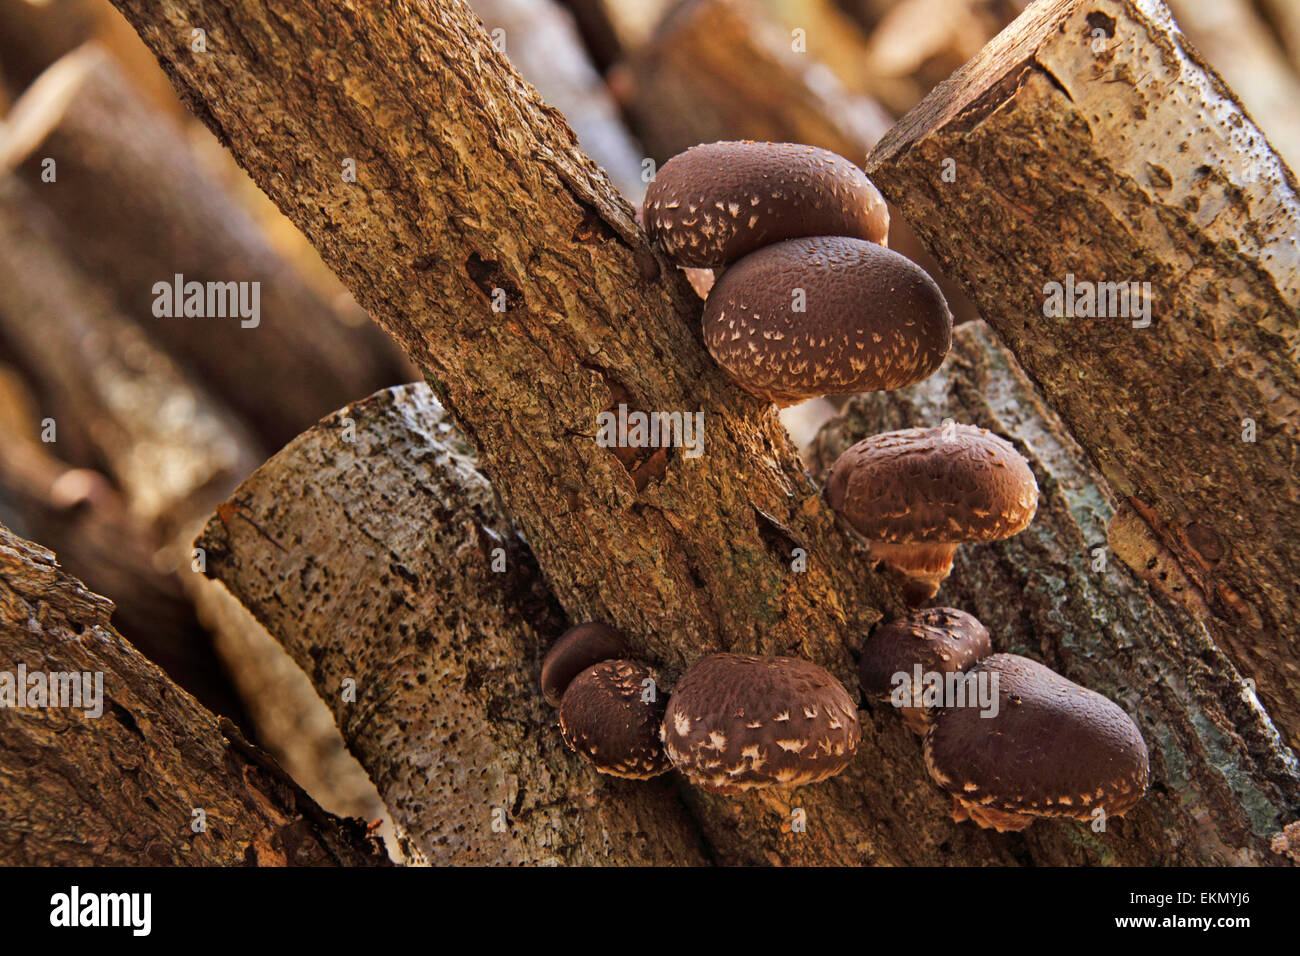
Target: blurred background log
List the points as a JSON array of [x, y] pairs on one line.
[[135, 208], [75, 784], [1120, 157]]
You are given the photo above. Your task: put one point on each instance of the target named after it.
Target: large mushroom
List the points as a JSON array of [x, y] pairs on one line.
[[917, 494], [610, 713], [737, 721], [1050, 748], [714, 203], [905, 660], [577, 649], [826, 315]]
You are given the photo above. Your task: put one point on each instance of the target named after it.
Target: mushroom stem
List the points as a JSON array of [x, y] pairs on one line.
[[923, 563], [989, 818]]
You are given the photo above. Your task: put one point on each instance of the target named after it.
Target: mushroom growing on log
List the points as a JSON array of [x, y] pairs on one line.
[[917, 494]]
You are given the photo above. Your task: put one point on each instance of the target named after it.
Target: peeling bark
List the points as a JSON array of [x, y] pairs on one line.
[[120, 789], [1136, 164]]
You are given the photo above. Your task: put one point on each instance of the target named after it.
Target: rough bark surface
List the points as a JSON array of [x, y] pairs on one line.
[[1135, 163], [136, 207], [366, 547], [120, 789]]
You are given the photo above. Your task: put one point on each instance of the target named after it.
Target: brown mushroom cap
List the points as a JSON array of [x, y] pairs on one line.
[[736, 721], [1055, 749], [948, 484], [919, 493], [871, 320], [577, 649], [714, 203], [938, 640], [605, 716]]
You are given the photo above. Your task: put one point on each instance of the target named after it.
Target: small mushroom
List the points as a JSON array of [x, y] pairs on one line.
[[812, 317], [1053, 749], [611, 714], [577, 649], [917, 494], [898, 659], [714, 203], [736, 722]]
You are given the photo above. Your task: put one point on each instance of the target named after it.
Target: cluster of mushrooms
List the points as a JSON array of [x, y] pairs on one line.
[[807, 300]]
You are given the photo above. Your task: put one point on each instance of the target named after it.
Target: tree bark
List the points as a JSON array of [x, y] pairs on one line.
[[137, 208], [121, 789], [403, 600], [1136, 164]]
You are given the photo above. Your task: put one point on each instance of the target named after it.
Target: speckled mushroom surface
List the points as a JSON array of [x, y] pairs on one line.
[[940, 640], [714, 203], [1054, 749], [606, 716], [573, 652], [818, 316], [954, 483], [737, 721]]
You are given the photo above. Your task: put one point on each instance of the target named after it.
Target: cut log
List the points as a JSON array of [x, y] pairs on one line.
[[476, 213], [138, 209], [1091, 145], [77, 782], [442, 650]]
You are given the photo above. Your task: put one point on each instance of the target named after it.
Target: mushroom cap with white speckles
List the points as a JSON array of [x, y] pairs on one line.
[[1054, 749], [826, 315], [714, 203], [941, 640], [737, 721], [950, 484], [577, 649], [607, 716]]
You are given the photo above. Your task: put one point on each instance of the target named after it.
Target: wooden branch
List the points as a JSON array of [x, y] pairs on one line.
[[123, 169], [1222, 779], [443, 649], [121, 788], [1135, 164]]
